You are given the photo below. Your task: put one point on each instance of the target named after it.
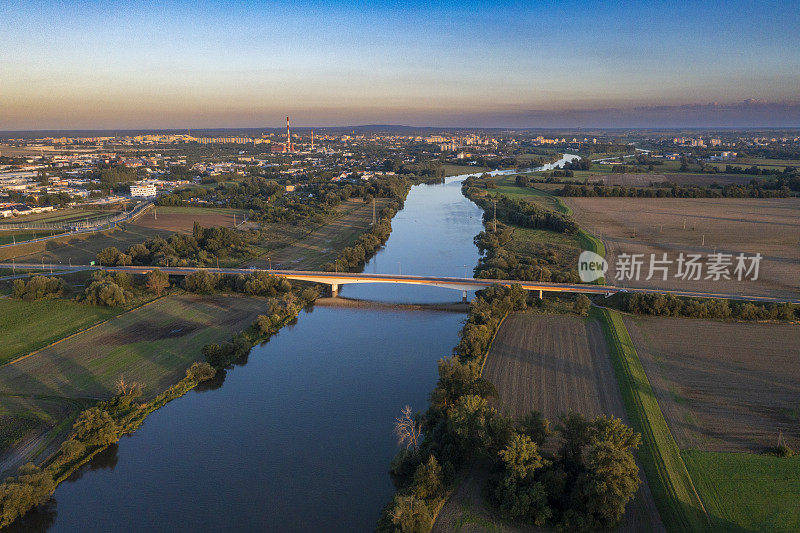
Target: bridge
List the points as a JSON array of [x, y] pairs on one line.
[[336, 279]]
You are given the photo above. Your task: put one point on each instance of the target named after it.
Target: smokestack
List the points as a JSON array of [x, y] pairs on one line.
[[312, 140], [288, 137]]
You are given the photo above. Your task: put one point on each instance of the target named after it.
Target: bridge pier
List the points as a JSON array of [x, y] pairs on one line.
[[334, 290], [464, 296], [540, 294]]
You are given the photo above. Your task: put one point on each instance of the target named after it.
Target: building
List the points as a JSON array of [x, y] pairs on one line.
[[143, 190]]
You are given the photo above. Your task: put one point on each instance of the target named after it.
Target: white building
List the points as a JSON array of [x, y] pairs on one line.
[[143, 190]]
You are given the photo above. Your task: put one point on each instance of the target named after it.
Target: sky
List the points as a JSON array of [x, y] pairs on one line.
[[188, 64]]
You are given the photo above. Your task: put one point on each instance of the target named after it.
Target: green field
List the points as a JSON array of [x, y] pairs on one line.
[[457, 170], [28, 326], [747, 492], [152, 345], [678, 503]]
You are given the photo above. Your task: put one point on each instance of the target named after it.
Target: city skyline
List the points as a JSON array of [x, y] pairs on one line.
[[87, 65]]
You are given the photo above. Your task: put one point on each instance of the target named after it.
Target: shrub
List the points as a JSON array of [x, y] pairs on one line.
[[201, 281], [38, 287], [581, 305], [104, 291], [200, 372]]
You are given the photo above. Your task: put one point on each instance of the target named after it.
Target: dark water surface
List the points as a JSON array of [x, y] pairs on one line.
[[299, 436]]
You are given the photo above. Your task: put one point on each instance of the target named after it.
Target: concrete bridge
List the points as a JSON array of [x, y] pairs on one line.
[[336, 279]]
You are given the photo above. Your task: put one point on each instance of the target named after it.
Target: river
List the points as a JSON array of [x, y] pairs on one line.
[[299, 436]]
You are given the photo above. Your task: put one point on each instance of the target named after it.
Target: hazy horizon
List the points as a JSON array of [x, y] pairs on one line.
[[145, 65]]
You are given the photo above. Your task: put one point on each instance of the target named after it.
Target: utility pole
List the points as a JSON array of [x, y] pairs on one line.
[[270, 262]]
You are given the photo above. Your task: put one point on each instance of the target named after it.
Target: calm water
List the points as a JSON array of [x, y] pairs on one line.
[[298, 437]]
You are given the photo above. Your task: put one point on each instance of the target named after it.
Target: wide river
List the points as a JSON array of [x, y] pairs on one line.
[[299, 436]]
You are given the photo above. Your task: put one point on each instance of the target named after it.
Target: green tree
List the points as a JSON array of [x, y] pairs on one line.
[[201, 281], [157, 281], [535, 426], [96, 427], [581, 305], [428, 479], [411, 515]]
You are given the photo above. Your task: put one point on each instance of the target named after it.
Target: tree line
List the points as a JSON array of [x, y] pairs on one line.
[[547, 262], [672, 191], [671, 305], [583, 486]]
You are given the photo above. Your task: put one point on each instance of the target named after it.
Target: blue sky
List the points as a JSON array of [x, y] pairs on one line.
[[234, 64]]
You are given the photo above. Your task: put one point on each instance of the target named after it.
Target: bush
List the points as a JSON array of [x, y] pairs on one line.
[[38, 287], [581, 305], [201, 281], [104, 291], [200, 372]]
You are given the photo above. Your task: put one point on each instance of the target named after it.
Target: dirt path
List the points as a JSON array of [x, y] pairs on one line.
[[553, 364]]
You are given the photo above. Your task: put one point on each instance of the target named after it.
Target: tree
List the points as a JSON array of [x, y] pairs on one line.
[[20, 494], [535, 426], [407, 429], [519, 495], [428, 479], [103, 291], [157, 281], [200, 371], [96, 427], [201, 281], [410, 515], [581, 305]]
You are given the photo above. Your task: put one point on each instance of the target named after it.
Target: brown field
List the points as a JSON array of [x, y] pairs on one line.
[[553, 364], [770, 227], [153, 345], [324, 243], [627, 180], [723, 386], [182, 219], [705, 180], [79, 249]]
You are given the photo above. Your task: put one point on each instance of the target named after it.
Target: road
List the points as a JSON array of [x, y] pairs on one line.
[[335, 279]]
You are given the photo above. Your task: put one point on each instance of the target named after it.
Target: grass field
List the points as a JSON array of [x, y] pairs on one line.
[[457, 170], [69, 214], [27, 326], [678, 502], [730, 225], [313, 247], [79, 249], [153, 345], [747, 492]]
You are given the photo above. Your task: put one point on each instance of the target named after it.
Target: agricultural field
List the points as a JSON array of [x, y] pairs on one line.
[[315, 247], [747, 492], [727, 391], [554, 364], [731, 225], [28, 326], [77, 249], [457, 170], [152, 344], [182, 219], [723, 386]]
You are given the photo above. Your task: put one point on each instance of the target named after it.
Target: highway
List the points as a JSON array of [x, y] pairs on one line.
[[336, 279]]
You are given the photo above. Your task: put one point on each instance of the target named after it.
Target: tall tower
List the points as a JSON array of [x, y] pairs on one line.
[[288, 137], [312, 140]]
